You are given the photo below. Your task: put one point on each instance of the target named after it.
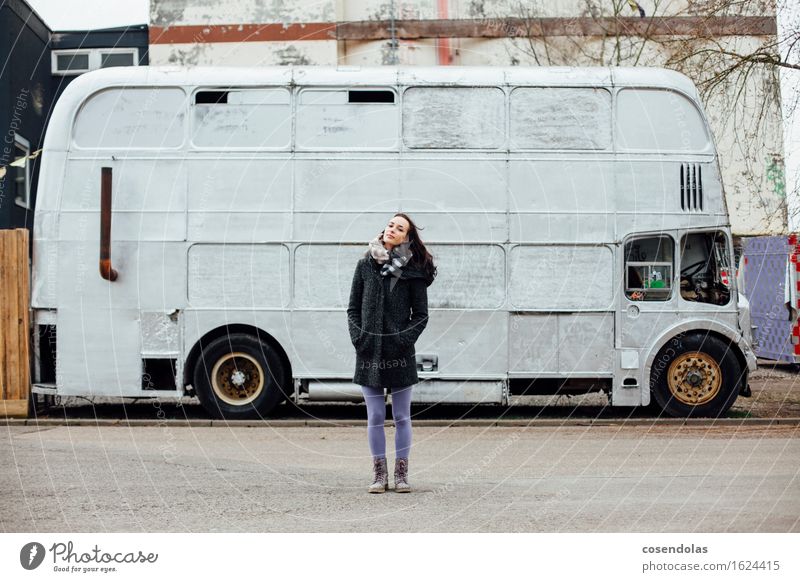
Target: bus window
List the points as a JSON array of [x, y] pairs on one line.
[[454, 117], [139, 117], [341, 118], [705, 268], [648, 268], [560, 118], [658, 120], [250, 118]]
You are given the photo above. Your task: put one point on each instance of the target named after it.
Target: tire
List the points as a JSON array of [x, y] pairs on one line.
[[695, 375], [239, 377]]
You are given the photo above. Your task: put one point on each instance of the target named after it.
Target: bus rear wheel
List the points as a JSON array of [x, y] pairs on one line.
[[238, 376], [695, 375]]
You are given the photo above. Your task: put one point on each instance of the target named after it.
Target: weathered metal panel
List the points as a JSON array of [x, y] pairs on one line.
[[44, 265], [239, 276], [468, 343], [458, 392], [545, 278], [470, 276], [563, 184], [454, 117], [324, 185], [426, 391], [453, 184], [586, 343], [323, 274], [319, 345], [98, 348], [548, 118], [533, 343], [483, 227], [561, 227], [275, 322], [160, 333], [242, 199], [148, 199], [562, 343], [152, 275]]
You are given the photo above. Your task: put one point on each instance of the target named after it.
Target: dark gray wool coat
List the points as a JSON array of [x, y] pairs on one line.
[[384, 325]]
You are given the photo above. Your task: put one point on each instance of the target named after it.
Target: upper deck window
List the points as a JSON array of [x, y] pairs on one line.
[[242, 118], [342, 118], [454, 117], [560, 118], [659, 120], [142, 117]]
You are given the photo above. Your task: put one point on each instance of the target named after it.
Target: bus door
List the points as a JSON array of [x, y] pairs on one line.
[[647, 304]]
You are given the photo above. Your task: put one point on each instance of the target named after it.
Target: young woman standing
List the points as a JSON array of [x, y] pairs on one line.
[[388, 310]]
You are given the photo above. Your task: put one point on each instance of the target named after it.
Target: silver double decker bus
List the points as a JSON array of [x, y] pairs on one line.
[[197, 229]]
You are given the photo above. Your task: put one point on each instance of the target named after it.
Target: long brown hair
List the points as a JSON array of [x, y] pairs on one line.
[[421, 259]]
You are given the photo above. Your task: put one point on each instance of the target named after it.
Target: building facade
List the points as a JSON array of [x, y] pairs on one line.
[[36, 65]]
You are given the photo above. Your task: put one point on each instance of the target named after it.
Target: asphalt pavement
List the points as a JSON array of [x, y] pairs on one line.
[[593, 478]]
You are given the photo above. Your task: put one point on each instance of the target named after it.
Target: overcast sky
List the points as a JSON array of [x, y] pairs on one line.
[[87, 14]]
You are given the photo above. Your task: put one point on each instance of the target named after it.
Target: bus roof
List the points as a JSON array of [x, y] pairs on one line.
[[207, 76], [373, 75]]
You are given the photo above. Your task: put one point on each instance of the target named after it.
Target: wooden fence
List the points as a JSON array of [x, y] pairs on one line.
[[14, 335]]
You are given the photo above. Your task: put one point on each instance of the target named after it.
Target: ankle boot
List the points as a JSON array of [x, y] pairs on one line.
[[401, 475], [380, 481]]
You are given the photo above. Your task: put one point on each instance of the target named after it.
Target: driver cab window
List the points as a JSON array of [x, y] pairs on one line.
[[648, 268], [705, 268]]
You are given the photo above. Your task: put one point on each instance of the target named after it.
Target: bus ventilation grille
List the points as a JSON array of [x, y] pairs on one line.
[[691, 187]]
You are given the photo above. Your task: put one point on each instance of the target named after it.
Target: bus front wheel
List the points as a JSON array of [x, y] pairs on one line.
[[238, 376], [695, 375]]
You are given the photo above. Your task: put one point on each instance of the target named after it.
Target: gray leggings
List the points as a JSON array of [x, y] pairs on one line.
[[376, 416]]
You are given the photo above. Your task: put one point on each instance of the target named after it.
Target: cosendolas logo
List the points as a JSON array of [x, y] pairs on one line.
[[31, 555]]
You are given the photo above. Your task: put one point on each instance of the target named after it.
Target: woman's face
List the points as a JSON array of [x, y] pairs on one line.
[[396, 232]]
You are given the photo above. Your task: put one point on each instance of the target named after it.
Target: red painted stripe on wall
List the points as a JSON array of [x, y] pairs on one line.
[[242, 33], [710, 27]]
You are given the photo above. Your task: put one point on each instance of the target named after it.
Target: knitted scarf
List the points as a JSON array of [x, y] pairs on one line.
[[393, 261]]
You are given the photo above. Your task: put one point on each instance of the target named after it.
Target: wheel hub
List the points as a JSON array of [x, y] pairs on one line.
[[237, 378], [694, 378]]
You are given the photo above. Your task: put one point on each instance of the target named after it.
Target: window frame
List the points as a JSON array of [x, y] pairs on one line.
[[109, 88], [501, 148], [732, 288], [611, 119], [226, 89], [617, 136], [25, 145], [95, 59], [397, 104], [642, 236]]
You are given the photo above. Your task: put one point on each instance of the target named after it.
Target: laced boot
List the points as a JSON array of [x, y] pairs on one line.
[[401, 475], [380, 482]]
